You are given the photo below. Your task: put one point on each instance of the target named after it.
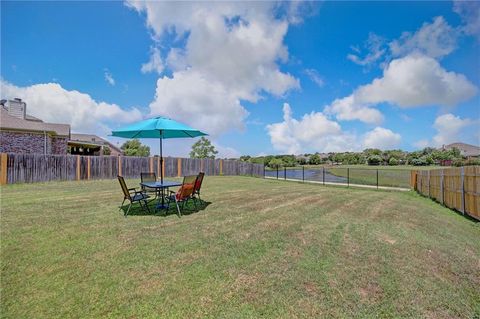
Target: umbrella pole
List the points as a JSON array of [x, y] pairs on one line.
[[161, 171], [161, 160]]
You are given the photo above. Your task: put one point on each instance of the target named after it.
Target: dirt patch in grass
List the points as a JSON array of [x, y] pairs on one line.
[[386, 239], [371, 292], [311, 288]]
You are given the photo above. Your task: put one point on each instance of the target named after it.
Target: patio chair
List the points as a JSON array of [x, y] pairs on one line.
[[183, 194], [198, 185], [133, 196], [149, 177]]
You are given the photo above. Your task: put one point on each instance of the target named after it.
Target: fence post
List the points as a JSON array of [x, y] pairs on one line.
[[324, 175], [151, 164], [348, 176], [119, 166], [78, 167], [221, 167], [264, 169], [441, 185], [377, 178], [285, 173], [428, 174], [179, 167], [3, 168], [277, 171], [88, 168], [463, 189], [303, 174]]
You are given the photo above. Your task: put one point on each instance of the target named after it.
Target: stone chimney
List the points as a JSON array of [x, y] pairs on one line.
[[17, 108]]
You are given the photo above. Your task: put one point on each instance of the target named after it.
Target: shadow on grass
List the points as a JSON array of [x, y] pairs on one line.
[[188, 209]]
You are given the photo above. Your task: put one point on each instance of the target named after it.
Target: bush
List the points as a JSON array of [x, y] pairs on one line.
[[419, 161], [473, 161], [393, 161], [375, 160], [458, 162]]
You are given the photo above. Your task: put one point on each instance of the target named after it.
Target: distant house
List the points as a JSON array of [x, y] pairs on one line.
[[23, 133], [26, 134], [88, 144], [467, 150]]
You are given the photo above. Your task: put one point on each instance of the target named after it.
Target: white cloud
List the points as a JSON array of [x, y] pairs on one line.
[[230, 49], [412, 81], [436, 39], [52, 103], [417, 80], [381, 138], [191, 98], [421, 144], [314, 132], [350, 108], [448, 128], [375, 47], [315, 77], [226, 151], [108, 77], [469, 11], [155, 64]]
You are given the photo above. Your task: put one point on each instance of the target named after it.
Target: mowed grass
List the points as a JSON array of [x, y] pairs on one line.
[[261, 248]]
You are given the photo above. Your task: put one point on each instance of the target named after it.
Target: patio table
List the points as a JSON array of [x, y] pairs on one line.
[[161, 186]]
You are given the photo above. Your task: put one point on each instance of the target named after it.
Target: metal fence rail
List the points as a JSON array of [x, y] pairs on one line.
[[399, 178], [31, 168]]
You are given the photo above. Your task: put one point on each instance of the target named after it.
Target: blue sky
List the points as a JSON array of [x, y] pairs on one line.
[[259, 77]]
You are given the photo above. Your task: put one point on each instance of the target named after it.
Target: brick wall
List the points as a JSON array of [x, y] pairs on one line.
[[59, 145], [31, 143]]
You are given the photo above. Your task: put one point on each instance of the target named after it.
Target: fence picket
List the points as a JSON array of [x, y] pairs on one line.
[[30, 168], [456, 188]]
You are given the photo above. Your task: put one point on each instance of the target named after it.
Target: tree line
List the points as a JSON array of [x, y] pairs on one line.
[[370, 156], [203, 148]]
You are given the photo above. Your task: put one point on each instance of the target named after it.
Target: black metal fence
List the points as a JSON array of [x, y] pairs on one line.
[[380, 176]]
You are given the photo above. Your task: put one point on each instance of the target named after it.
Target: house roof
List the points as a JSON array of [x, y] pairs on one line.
[[465, 149], [92, 139], [30, 124]]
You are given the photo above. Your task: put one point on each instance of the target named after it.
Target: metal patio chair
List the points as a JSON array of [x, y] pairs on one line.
[[133, 196], [183, 194], [198, 186], [149, 177]]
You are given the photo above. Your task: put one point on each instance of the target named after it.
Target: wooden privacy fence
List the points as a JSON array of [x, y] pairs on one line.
[[31, 168], [457, 188]]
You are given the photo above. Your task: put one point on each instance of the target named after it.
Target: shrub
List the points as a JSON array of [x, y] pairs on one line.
[[374, 160], [419, 161], [473, 161], [393, 161], [458, 162]]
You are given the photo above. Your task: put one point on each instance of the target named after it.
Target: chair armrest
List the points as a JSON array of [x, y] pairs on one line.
[[132, 189]]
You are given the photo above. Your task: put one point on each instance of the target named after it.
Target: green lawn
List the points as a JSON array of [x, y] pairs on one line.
[[261, 248]]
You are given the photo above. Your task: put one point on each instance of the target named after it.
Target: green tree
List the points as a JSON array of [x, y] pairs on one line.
[[107, 150], [315, 159], [375, 160], [393, 161], [135, 148], [276, 162], [203, 148]]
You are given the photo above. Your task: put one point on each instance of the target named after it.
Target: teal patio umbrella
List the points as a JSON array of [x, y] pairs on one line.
[[157, 127]]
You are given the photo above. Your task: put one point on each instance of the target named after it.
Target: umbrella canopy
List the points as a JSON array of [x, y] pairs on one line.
[[157, 127]]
